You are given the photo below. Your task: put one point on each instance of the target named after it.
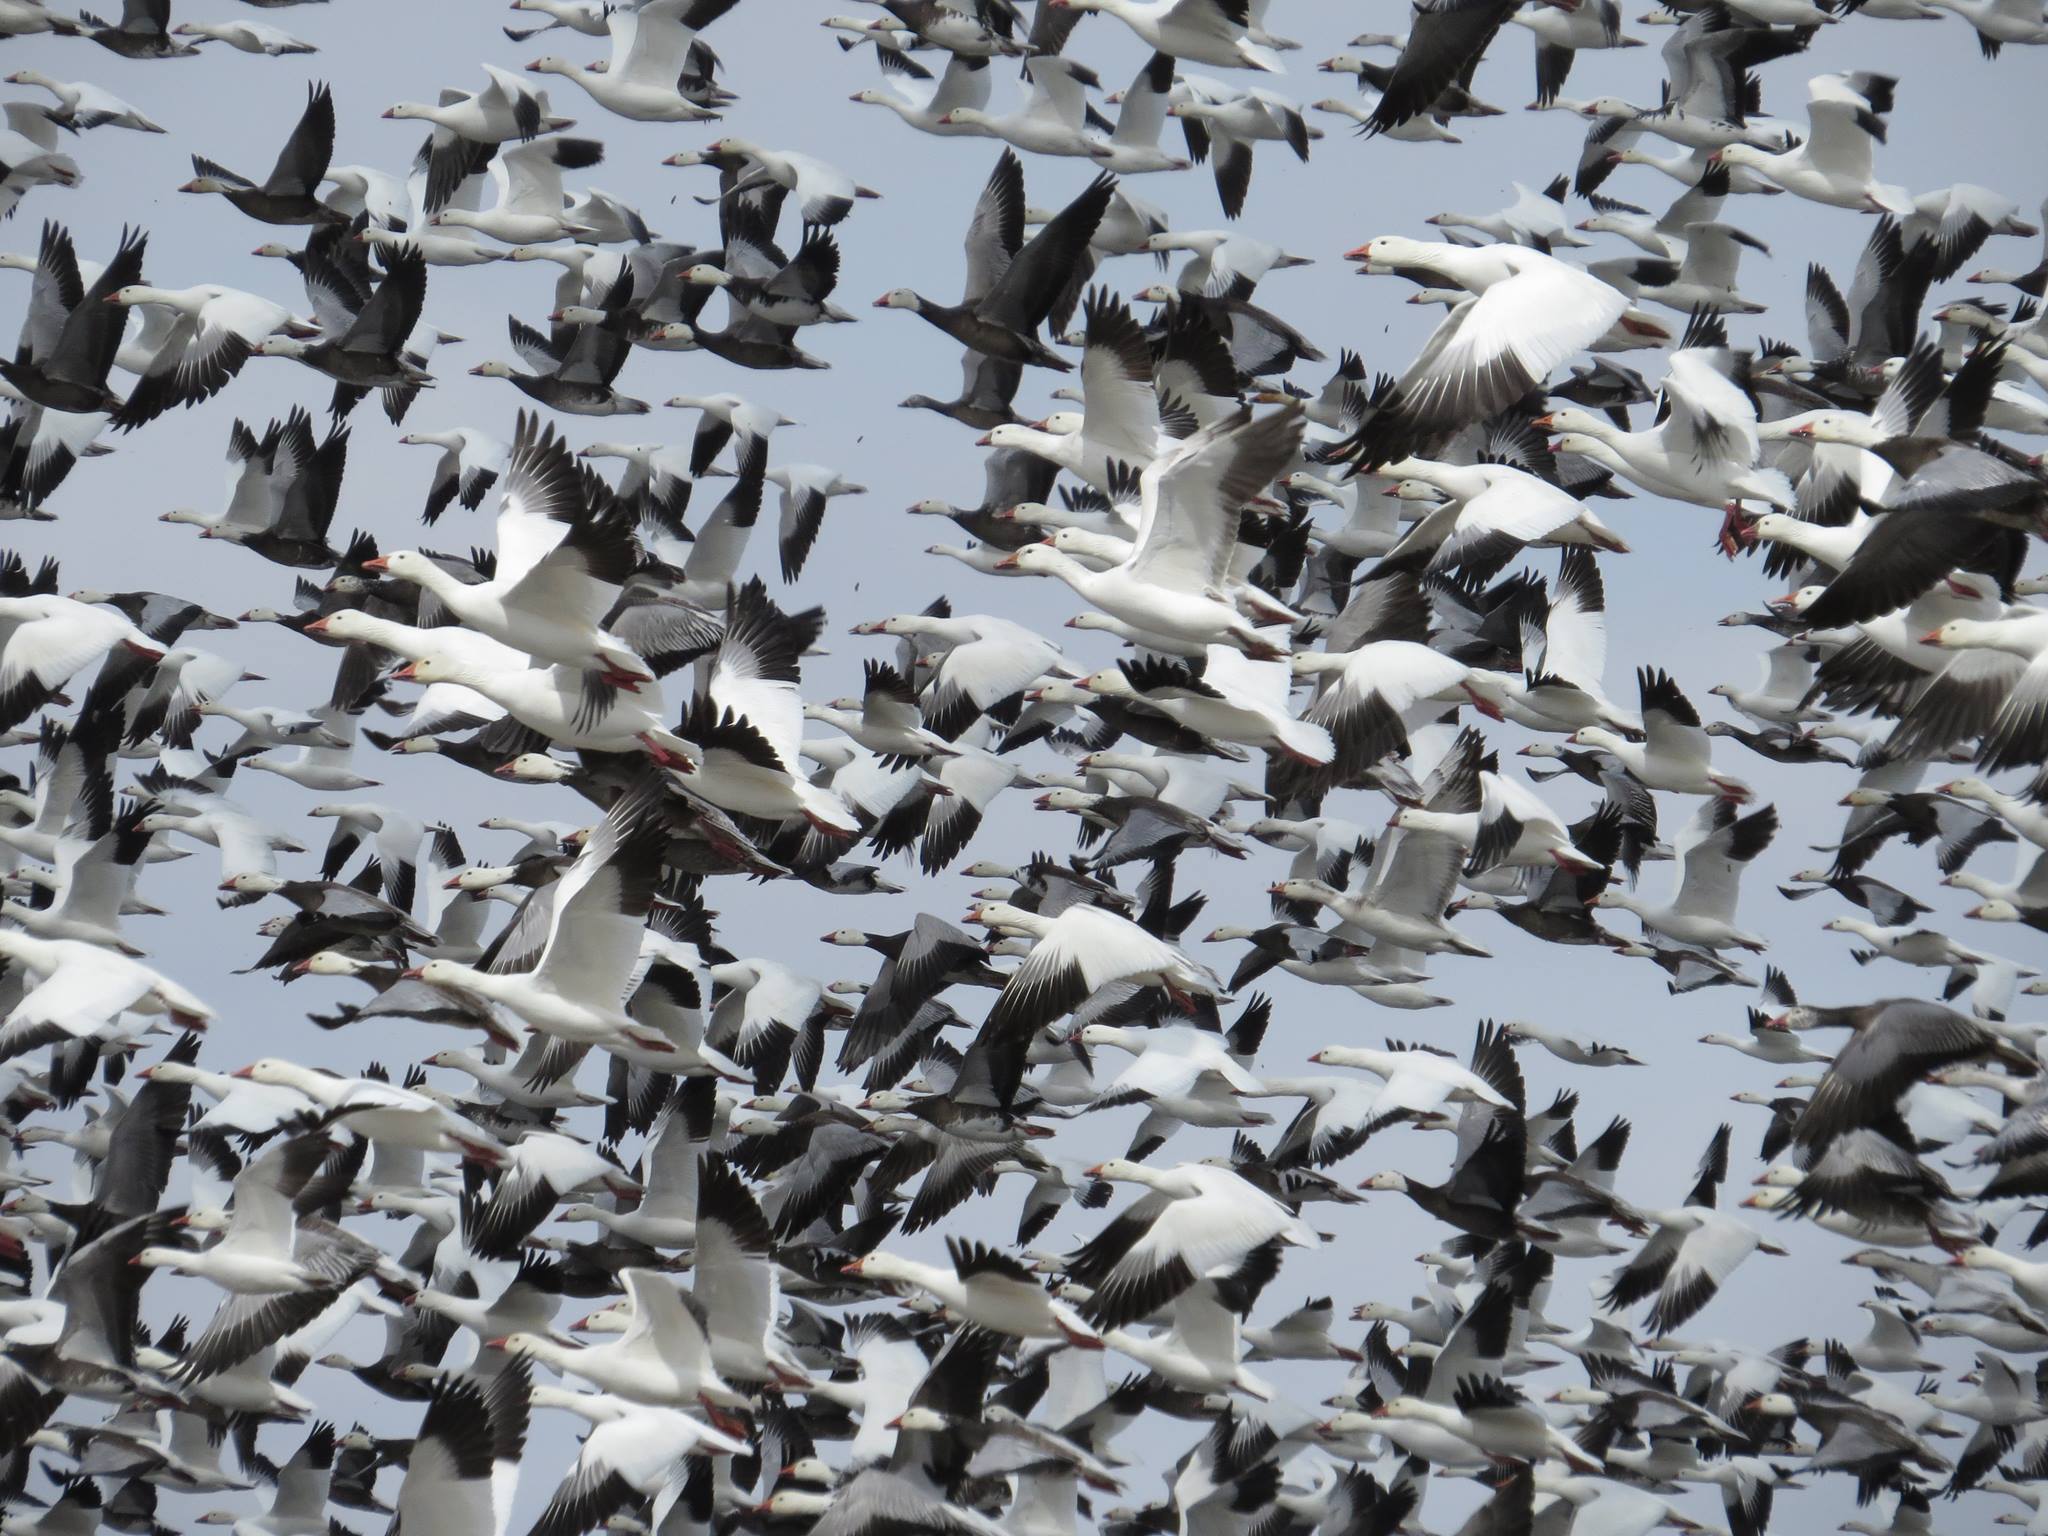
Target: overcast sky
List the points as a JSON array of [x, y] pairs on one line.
[[794, 84]]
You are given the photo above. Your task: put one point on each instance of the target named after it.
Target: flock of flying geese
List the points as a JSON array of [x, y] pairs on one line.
[[719, 1211]]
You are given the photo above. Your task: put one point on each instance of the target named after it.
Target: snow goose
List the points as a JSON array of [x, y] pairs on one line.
[[98, 856], [247, 846], [963, 87], [1012, 284], [1382, 681], [471, 462], [1194, 1222], [1533, 219], [367, 347], [245, 37], [1691, 1253], [1675, 754], [806, 489], [1528, 315], [650, 46], [1486, 513], [71, 337], [45, 639], [289, 195], [1896, 1043], [663, 1359], [556, 702], [747, 723], [1833, 166], [1212, 32], [730, 419], [26, 18], [985, 1287], [530, 205], [825, 194], [506, 109], [1051, 120], [875, 1501], [314, 766], [255, 1255], [1409, 884], [1780, 698], [1074, 955], [562, 554], [666, 1214], [1713, 849], [1497, 1420], [984, 663], [1436, 57], [1133, 149], [775, 289], [1561, 33], [214, 332], [378, 1111], [1906, 944], [1118, 432], [1414, 1083], [144, 32], [2023, 815], [29, 142], [1225, 696], [1579, 1053], [283, 488], [1171, 583], [1998, 22], [1227, 123], [464, 1465], [1182, 1075], [2018, 736], [632, 1452], [1705, 451], [81, 104], [77, 995], [575, 989], [1513, 827]]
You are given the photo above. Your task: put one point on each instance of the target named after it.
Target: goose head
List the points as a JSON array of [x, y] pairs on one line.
[[1302, 890], [252, 884], [437, 973], [1035, 559], [1109, 683], [535, 768], [406, 564], [275, 1072]]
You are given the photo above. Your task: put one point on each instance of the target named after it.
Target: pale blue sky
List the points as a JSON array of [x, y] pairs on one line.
[[1957, 118]]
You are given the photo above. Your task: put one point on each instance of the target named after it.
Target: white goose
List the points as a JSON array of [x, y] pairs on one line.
[[1078, 953], [1199, 31], [1172, 584], [1833, 164], [1229, 698], [576, 988], [650, 47], [560, 562], [662, 1359], [633, 1445], [530, 205], [984, 1287], [1711, 852], [1676, 754]]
